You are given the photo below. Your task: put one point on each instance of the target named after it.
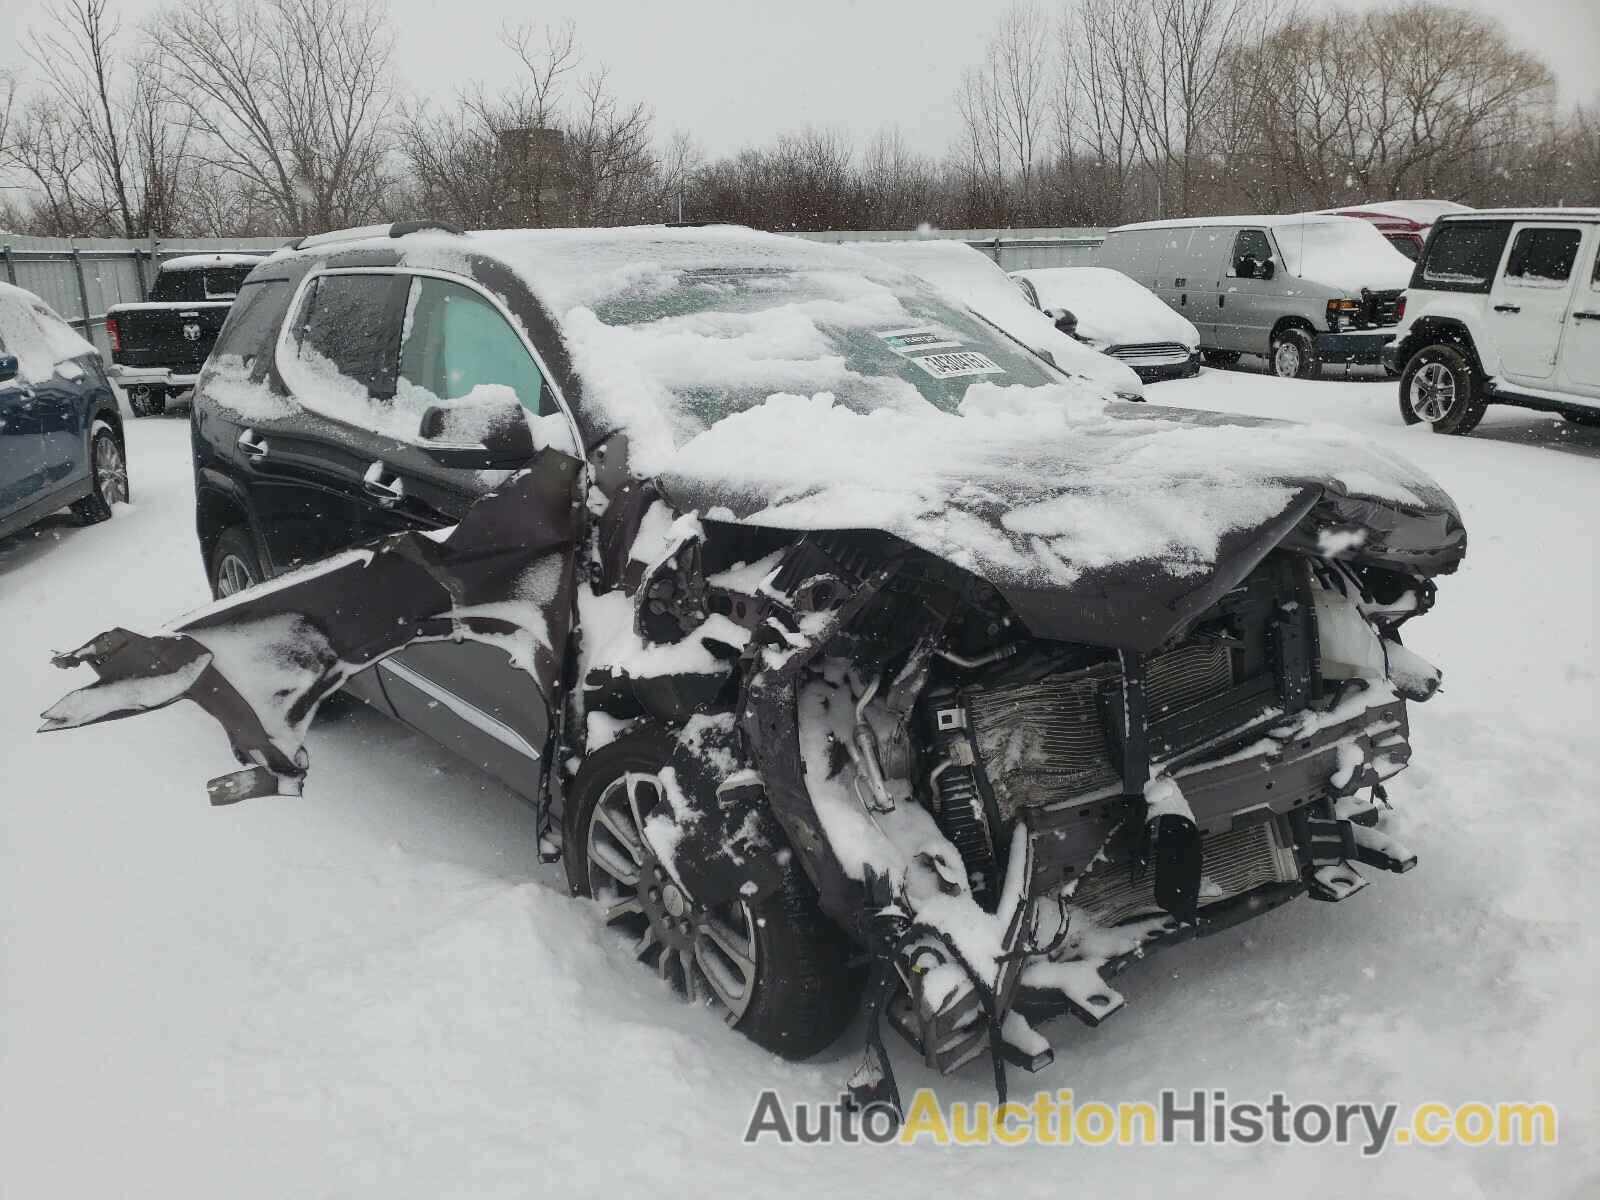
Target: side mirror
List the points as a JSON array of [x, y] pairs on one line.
[[1066, 321], [8, 367], [1268, 269], [476, 434]]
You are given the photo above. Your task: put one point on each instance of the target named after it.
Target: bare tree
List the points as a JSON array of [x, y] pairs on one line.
[[293, 98], [1004, 114]]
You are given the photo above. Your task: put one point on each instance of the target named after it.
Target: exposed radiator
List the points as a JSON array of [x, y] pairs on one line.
[[1046, 741], [1231, 863]]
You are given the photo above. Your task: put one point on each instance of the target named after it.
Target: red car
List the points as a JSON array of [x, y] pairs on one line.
[[1404, 222]]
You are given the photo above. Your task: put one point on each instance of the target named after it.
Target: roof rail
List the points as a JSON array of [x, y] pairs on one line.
[[396, 229]]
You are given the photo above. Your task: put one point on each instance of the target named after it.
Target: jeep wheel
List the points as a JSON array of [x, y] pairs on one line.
[[147, 400], [1294, 355], [1440, 387], [778, 968]]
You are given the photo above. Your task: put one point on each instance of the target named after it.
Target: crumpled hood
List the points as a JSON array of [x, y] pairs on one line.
[[1100, 521]]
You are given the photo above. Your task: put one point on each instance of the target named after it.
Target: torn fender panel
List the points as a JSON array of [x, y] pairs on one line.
[[271, 654]]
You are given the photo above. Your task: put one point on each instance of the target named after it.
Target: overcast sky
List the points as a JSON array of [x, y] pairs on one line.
[[734, 72]]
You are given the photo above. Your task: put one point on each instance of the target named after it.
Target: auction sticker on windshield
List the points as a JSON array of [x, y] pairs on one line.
[[907, 342], [954, 365]]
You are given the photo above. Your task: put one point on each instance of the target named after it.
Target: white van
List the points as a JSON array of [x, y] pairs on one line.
[[1300, 290]]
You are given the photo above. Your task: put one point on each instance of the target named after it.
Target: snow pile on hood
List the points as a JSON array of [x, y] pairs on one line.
[[1028, 487], [31, 330], [1112, 310], [1342, 252], [968, 277]]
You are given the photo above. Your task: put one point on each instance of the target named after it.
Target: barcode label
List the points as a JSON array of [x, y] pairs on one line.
[[963, 362]]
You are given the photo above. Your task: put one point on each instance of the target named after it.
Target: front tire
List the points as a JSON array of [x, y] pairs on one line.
[[779, 968], [1440, 387], [1294, 355], [108, 476]]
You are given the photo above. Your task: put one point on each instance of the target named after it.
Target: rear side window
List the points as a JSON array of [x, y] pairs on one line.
[[349, 326], [456, 342], [1462, 257], [1542, 257], [1406, 244], [173, 286], [252, 325], [222, 283]]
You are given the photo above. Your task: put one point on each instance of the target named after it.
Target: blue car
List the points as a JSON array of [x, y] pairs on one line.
[[61, 440]]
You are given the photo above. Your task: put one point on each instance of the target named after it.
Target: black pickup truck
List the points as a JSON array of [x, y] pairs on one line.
[[158, 347]]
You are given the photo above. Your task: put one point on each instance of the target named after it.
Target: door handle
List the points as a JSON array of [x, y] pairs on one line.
[[1222, 300], [1508, 308], [255, 449], [1586, 316], [1184, 299], [388, 491]]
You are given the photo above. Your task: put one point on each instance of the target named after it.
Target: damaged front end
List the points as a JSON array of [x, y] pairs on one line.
[[1005, 820]]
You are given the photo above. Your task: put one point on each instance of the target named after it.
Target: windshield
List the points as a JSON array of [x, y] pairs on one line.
[[721, 340]]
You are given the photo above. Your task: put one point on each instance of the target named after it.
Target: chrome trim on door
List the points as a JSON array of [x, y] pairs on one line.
[[468, 712]]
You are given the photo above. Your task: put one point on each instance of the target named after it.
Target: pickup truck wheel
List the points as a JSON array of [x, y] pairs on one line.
[[1440, 387], [1294, 355], [147, 400], [1220, 358], [234, 565], [778, 969], [108, 477]]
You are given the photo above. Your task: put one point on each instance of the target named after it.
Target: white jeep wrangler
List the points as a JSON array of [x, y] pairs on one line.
[[1504, 308]]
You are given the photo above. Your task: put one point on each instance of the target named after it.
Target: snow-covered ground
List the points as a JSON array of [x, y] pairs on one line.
[[377, 990]]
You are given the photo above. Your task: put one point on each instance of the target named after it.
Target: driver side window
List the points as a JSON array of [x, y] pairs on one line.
[[1251, 251], [456, 342]]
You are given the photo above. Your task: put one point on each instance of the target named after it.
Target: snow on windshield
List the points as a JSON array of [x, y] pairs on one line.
[[30, 330], [968, 277], [1342, 252], [672, 331]]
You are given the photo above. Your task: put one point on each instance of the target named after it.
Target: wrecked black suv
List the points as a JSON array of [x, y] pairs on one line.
[[825, 624]]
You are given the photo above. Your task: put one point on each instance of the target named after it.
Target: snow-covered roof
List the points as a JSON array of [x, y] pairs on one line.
[[1552, 214], [196, 262], [1258, 221], [1112, 309], [1421, 212]]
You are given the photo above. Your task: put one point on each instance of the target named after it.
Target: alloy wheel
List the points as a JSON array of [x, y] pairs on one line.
[[1286, 360], [233, 575], [1433, 392], [110, 473], [706, 953]]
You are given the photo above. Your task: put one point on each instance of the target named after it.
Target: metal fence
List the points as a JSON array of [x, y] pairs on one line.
[[1011, 249], [81, 277]]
